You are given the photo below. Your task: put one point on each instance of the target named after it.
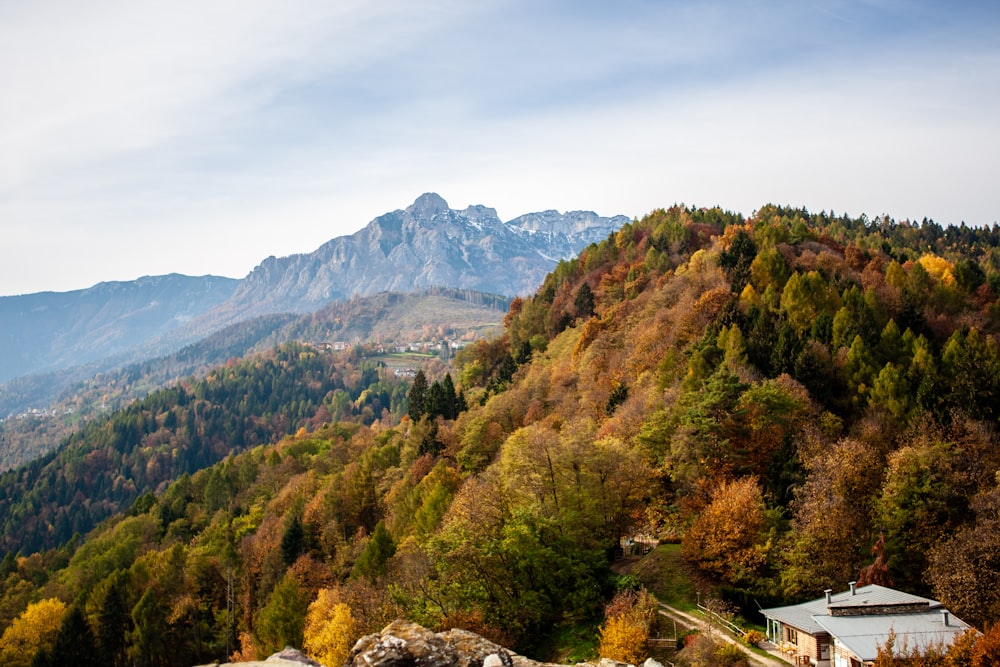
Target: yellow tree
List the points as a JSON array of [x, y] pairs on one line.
[[623, 640], [629, 620], [730, 538], [329, 629], [36, 628]]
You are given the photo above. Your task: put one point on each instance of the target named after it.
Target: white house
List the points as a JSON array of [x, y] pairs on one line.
[[846, 629]]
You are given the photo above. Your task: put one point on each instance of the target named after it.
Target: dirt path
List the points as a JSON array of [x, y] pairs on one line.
[[687, 620]]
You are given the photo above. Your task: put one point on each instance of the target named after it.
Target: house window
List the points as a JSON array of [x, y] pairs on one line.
[[792, 636]]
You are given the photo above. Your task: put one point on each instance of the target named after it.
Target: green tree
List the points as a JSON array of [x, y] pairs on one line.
[[584, 302], [149, 640], [280, 622], [114, 621], [859, 371], [923, 375], [786, 350], [891, 391], [969, 275], [701, 444], [379, 549], [970, 369], [74, 645], [771, 416], [923, 497], [769, 270], [892, 347], [417, 398], [293, 540], [805, 297], [737, 260], [733, 348], [451, 402], [522, 572]]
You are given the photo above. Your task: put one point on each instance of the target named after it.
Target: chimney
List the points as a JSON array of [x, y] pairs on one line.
[[829, 595], [944, 613], [853, 585]]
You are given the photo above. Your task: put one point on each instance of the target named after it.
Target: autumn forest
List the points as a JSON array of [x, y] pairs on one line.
[[798, 400]]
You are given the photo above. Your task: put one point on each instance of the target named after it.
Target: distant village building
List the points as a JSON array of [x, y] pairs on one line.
[[846, 629]]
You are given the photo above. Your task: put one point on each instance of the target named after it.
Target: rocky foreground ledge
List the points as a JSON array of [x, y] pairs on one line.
[[406, 644]]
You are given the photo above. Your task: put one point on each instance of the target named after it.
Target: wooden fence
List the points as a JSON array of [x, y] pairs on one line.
[[721, 620], [662, 644]]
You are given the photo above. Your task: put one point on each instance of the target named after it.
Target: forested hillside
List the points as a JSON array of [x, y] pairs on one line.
[[390, 318], [102, 468], [800, 399]]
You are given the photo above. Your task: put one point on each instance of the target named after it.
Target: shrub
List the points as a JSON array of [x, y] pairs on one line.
[[729, 655]]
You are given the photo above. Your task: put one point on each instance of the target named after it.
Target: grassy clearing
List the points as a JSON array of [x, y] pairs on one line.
[[402, 358], [664, 573]]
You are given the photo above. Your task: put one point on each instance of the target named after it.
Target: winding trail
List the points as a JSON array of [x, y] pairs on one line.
[[687, 620]]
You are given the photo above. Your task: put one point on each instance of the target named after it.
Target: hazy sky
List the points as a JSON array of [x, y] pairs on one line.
[[141, 138]]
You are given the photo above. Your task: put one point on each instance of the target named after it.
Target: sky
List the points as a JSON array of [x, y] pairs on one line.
[[173, 136]]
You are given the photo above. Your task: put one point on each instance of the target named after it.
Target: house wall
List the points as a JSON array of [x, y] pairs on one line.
[[844, 658], [808, 645], [812, 645]]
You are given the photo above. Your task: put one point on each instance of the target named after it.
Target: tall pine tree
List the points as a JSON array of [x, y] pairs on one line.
[[417, 398]]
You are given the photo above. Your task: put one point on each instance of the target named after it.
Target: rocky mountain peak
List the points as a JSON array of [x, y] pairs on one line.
[[425, 245], [482, 216], [428, 205]]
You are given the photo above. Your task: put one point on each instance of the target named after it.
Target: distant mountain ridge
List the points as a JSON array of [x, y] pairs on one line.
[[52, 330], [425, 245]]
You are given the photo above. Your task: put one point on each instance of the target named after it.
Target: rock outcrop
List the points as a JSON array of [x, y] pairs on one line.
[[407, 644], [289, 657]]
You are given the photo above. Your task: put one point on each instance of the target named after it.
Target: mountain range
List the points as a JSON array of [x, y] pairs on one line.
[[427, 244]]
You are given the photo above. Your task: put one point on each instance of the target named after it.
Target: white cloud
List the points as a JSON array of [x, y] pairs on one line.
[[89, 81], [232, 130]]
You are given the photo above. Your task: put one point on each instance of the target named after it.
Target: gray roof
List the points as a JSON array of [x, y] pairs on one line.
[[801, 615], [862, 635], [868, 618]]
